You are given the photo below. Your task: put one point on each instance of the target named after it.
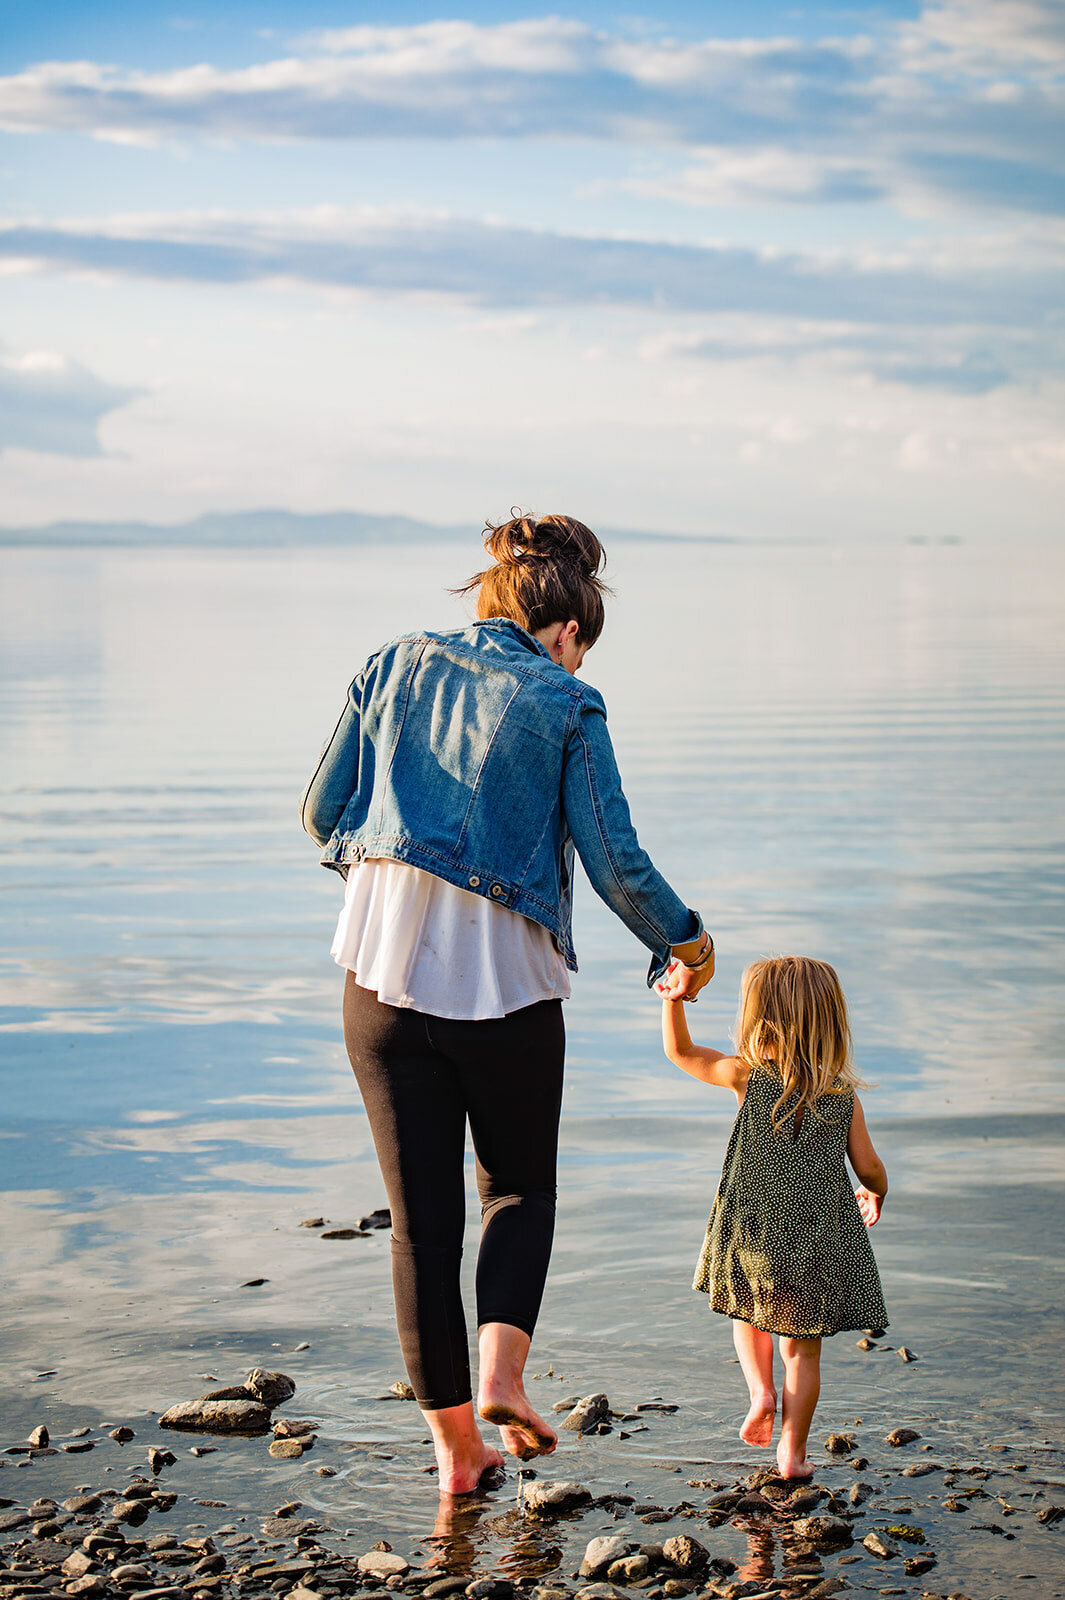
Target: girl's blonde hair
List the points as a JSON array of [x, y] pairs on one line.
[[793, 1021]]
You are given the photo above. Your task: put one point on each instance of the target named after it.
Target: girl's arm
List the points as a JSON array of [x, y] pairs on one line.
[[698, 1060], [870, 1170]]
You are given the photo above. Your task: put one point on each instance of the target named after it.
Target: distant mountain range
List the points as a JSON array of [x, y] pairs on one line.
[[251, 528], [276, 529]]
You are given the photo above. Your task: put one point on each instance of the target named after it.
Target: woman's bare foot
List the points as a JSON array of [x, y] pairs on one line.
[[792, 1464], [524, 1432], [757, 1425], [462, 1457]]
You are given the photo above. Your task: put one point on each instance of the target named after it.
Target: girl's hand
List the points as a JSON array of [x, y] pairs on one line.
[[869, 1204]]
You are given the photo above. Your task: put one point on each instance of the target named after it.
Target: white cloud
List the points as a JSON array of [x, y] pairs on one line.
[[54, 406], [965, 102], [964, 326]]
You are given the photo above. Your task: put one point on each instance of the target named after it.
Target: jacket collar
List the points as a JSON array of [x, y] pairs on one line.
[[513, 630]]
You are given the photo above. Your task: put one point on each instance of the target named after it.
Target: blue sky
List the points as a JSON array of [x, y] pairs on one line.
[[745, 269]]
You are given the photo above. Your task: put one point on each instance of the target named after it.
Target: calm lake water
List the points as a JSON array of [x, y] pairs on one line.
[[850, 753]]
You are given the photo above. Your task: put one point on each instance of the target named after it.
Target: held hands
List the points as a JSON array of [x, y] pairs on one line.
[[683, 983], [869, 1204]]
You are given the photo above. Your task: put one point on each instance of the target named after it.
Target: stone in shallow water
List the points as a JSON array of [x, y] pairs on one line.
[[599, 1591], [545, 1499], [286, 1449], [824, 1532], [39, 1437], [588, 1413], [600, 1553], [630, 1569], [272, 1388], [685, 1553], [900, 1436], [840, 1444], [218, 1416], [879, 1546], [383, 1564]]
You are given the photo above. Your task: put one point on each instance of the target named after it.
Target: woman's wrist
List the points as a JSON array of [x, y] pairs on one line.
[[696, 952]]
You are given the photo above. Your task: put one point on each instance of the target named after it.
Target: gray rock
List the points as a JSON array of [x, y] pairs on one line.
[[272, 1388], [546, 1499], [899, 1436], [630, 1569], [599, 1591], [859, 1492], [879, 1546], [77, 1564], [138, 1491], [824, 1532], [381, 1218], [601, 1553], [326, 1472], [218, 1416], [80, 1505], [122, 1435], [588, 1413], [906, 1353], [442, 1587], [313, 1222], [840, 1444], [77, 1447], [490, 1589], [288, 1428], [158, 1459], [383, 1564], [90, 1584], [39, 1437], [803, 1500], [301, 1592], [568, 1404], [9, 1520], [131, 1572], [286, 1449], [685, 1553]]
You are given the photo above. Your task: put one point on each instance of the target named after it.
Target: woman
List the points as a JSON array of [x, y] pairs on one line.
[[465, 767]]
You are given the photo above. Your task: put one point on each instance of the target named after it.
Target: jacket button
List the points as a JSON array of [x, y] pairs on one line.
[[474, 882], [496, 890]]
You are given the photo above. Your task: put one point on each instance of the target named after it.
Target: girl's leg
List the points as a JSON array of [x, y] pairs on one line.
[[755, 1350], [802, 1386], [511, 1070], [418, 1120]]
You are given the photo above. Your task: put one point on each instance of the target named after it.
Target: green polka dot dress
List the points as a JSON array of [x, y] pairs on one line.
[[786, 1248]]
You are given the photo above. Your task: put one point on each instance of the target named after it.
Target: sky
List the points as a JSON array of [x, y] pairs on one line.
[[740, 269]]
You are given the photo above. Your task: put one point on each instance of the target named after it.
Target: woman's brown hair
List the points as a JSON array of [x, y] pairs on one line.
[[546, 570], [793, 1022]]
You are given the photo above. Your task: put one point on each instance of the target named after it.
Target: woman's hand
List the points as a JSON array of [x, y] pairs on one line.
[[683, 983], [869, 1204]]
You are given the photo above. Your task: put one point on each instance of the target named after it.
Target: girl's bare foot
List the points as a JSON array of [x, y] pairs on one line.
[[792, 1464], [524, 1432], [757, 1425]]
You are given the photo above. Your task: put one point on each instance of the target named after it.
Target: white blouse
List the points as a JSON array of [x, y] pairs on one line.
[[420, 942]]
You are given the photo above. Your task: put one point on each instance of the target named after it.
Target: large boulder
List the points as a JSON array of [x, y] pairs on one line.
[[218, 1416]]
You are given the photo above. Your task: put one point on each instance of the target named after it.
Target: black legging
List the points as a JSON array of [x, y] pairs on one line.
[[421, 1077]]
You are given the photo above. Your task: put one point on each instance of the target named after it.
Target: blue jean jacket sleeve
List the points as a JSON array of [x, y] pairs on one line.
[[621, 872], [336, 777]]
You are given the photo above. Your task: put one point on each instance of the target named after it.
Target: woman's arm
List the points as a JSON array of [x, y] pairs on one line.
[[620, 870], [336, 777], [698, 1060], [869, 1169]]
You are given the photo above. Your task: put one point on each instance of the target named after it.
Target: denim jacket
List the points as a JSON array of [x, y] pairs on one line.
[[472, 755]]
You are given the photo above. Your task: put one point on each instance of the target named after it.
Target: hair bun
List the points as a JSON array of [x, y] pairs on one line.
[[555, 538]]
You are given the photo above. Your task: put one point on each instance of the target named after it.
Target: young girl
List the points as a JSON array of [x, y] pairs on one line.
[[785, 1251]]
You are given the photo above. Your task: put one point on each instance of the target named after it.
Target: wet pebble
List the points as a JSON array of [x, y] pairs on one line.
[[158, 1459], [824, 1532], [39, 1437], [840, 1444], [685, 1553], [122, 1435], [601, 1553], [901, 1436], [877, 1545], [545, 1499], [383, 1564], [218, 1416], [588, 1413]]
